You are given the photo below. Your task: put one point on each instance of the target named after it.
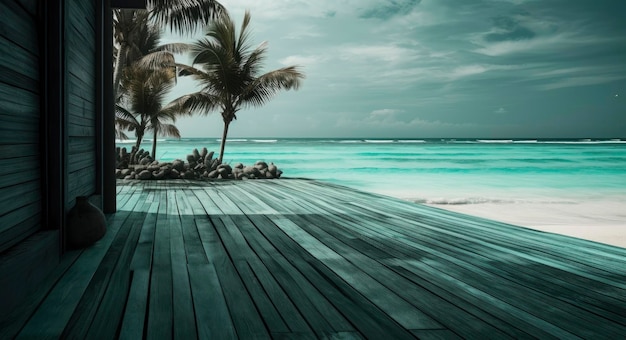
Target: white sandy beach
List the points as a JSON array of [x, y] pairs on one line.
[[598, 221]]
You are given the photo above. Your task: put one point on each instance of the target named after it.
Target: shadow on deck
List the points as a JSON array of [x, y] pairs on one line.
[[304, 259]]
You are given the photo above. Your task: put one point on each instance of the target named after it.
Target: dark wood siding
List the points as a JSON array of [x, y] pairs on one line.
[[80, 80], [20, 112]]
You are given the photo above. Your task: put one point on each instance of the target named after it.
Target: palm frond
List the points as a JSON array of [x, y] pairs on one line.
[[185, 16], [165, 130], [156, 60], [119, 133], [198, 102], [266, 86], [175, 48], [124, 117]]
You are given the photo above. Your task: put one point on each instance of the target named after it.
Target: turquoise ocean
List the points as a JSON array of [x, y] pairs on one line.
[[444, 172]]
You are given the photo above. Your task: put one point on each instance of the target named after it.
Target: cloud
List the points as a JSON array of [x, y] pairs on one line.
[[388, 53], [507, 28], [301, 60], [384, 112], [580, 81], [389, 9]]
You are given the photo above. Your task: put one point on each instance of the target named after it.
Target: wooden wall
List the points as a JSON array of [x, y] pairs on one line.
[[50, 91], [80, 83], [20, 112]]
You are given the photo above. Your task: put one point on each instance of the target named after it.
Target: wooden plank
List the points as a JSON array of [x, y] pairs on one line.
[[241, 254], [19, 26], [184, 319], [160, 311], [211, 309], [13, 166], [400, 310], [19, 150], [318, 279], [246, 318], [187, 203], [515, 253], [485, 307], [110, 312], [24, 269], [53, 314], [93, 300], [133, 323], [135, 313], [19, 59]]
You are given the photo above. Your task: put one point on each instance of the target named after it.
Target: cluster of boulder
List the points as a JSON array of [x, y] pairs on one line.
[[200, 165]]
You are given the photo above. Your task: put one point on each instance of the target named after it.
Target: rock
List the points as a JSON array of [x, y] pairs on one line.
[[126, 172], [140, 168], [203, 154], [178, 165], [223, 172], [153, 167], [278, 173], [145, 174], [118, 174], [188, 175], [214, 164], [260, 165], [239, 166], [250, 170], [213, 174], [129, 177], [174, 174], [225, 166], [269, 175], [196, 155], [159, 174], [272, 168], [145, 161]]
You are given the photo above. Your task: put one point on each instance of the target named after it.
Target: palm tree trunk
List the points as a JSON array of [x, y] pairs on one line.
[[224, 134], [138, 142], [154, 141], [119, 66]]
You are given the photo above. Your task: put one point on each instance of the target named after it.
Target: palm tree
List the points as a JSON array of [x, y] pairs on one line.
[[230, 73], [141, 109], [131, 26]]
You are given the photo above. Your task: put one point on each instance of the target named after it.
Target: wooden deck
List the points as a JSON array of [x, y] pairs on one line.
[[303, 259]]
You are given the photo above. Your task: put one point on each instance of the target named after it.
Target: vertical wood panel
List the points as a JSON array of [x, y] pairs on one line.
[[80, 86], [20, 112]]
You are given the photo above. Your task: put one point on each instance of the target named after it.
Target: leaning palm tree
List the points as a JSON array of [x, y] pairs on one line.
[[137, 40], [141, 109], [229, 72], [183, 16]]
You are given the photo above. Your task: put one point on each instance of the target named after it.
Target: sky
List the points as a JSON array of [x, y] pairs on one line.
[[435, 69]]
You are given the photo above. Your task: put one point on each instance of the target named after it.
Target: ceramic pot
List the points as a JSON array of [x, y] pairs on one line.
[[86, 224]]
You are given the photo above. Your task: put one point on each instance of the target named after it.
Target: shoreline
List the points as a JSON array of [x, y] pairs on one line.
[[593, 221]]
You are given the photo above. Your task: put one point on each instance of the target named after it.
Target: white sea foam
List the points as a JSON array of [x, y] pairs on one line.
[[379, 141], [494, 140], [264, 140], [411, 141]]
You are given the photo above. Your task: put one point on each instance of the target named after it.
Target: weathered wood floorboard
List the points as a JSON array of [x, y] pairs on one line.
[[304, 259]]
